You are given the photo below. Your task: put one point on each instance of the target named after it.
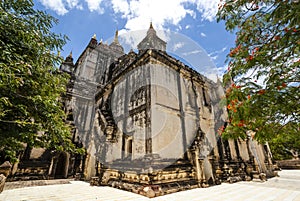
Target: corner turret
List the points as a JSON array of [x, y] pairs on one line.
[[93, 42], [68, 65]]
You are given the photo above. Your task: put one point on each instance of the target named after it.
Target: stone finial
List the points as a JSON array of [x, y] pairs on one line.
[[115, 45], [151, 25], [69, 59], [93, 42], [151, 30], [116, 39]]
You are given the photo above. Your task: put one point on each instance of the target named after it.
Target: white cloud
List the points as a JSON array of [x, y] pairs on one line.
[[62, 7], [133, 38], [191, 13], [222, 70], [177, 46], [121, 6], [139, 13], [55, 5], [191, 52], [203, 34], [218, 51], [94, 5], [208, 8], [74, 4], [214, 57]]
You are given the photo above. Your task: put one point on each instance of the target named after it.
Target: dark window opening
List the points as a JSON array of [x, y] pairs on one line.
[[206, 100]]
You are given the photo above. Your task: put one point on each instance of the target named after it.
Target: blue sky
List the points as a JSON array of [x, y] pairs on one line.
[[194, 19]]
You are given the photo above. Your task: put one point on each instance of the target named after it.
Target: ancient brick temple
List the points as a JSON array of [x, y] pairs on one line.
[[149, 123]]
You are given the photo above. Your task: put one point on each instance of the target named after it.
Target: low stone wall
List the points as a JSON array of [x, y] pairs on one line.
[[289, 164]]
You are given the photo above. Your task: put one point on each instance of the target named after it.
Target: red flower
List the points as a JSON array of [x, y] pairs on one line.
[[261, 92], [249, 58], [276, 37], [240, 124]]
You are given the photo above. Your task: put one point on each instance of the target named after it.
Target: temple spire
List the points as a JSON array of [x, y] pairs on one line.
[[115, 45], [151, 30], [116, 39], [152, 41], [151, 26]]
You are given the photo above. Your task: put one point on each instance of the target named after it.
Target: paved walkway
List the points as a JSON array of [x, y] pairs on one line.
[[283, 188]]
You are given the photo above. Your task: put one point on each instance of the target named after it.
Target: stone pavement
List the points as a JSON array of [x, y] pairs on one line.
[[283, 188], [22, 184]]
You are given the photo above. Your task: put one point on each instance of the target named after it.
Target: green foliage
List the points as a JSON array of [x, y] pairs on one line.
[[30, 84], [285, 142], [263, 74]]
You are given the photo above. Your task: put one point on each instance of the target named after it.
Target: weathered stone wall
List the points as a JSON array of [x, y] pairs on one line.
[[154, 121], [171, 107], [92, 70]]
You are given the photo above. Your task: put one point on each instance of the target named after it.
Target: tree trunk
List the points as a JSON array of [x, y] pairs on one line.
[[2, 182], [295, 154]]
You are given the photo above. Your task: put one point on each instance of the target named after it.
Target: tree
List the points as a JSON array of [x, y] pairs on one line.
[[30, 85], [286, 145], [263, 75]]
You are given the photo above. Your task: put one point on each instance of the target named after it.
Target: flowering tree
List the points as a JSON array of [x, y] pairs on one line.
[[263, 74]]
